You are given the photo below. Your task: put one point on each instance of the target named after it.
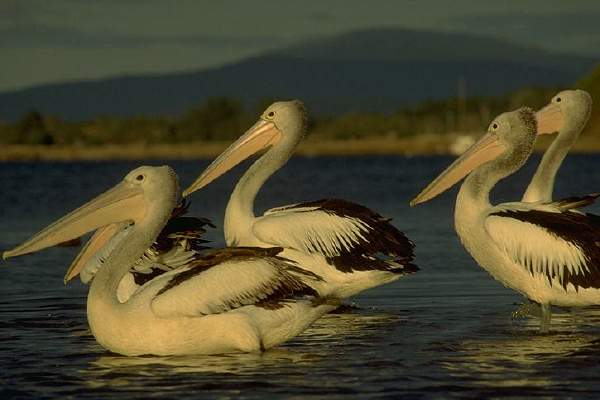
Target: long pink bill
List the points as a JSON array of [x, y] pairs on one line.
[[486, 149], [550, 119], [96, 242], [119, 204], [260, 136]]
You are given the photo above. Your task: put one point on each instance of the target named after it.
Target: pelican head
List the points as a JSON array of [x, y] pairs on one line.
[[144, 190], [510, 138], [282, 125], [567, 113]]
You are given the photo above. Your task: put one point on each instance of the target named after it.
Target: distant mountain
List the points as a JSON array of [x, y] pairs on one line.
[[370, 70]]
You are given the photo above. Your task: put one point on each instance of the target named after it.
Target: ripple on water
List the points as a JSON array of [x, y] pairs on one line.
[[445, 332]]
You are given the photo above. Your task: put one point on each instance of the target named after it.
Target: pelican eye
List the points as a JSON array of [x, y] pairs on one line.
[[495, 126], [140, 177], [271, 114], [558, 99]]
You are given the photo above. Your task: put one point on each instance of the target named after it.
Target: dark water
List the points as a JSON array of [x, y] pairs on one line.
[[446, 332]]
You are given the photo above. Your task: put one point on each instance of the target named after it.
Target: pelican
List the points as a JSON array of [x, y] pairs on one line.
[[568, 110], [546, 252], [351, 247], [231, 300], [177, 244]]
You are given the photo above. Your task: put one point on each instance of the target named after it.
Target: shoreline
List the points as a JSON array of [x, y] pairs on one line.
[[425, 144]]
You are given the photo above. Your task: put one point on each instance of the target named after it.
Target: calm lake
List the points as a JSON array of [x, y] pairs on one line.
[[445, 332]]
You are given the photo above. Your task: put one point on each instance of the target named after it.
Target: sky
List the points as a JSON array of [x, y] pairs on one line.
[[64, 40]]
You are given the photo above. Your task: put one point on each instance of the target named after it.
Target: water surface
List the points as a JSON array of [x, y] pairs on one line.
[[445, 332]]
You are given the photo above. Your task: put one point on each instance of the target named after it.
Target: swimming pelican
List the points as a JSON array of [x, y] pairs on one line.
[[179, 243], [350, 246], [230, 300], [568, 111], [545, 252]]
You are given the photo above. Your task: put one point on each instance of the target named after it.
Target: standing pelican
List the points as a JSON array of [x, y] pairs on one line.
[[543, 251], [568, 111], [230, 300], [350, 246]]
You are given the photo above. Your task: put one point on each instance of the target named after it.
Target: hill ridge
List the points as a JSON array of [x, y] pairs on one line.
[[366, 70]]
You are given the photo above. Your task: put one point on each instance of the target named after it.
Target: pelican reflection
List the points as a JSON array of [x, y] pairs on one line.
[[523, 357]]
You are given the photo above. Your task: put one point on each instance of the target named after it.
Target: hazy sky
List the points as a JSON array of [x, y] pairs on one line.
[[46, 41]]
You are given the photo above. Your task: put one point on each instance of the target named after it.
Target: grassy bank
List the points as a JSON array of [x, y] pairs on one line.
[[426, 144]]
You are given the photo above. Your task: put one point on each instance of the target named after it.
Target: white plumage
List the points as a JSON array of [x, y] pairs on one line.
[[567, 113], [177, 245], [350, 246], [224, 300], [536, 249], [231, 284], [546, 251], [311, 229]]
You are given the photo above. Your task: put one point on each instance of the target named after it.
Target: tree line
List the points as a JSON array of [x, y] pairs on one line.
[[223, 119]]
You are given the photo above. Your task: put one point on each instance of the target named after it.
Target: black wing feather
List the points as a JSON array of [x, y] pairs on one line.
[[574, 202], [580, 229], [384, 247]]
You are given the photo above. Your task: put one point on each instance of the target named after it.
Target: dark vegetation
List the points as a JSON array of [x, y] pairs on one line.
[[223, 119]]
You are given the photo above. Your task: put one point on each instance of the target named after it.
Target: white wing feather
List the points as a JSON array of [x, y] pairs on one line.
[[311, 230], [228, 285], [535, 248]]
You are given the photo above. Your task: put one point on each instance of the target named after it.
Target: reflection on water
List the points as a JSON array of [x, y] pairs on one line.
[[359, 324], [445, 332], [328, 333], [239, 364], [115, 370], [514, 359], [521, 357]]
